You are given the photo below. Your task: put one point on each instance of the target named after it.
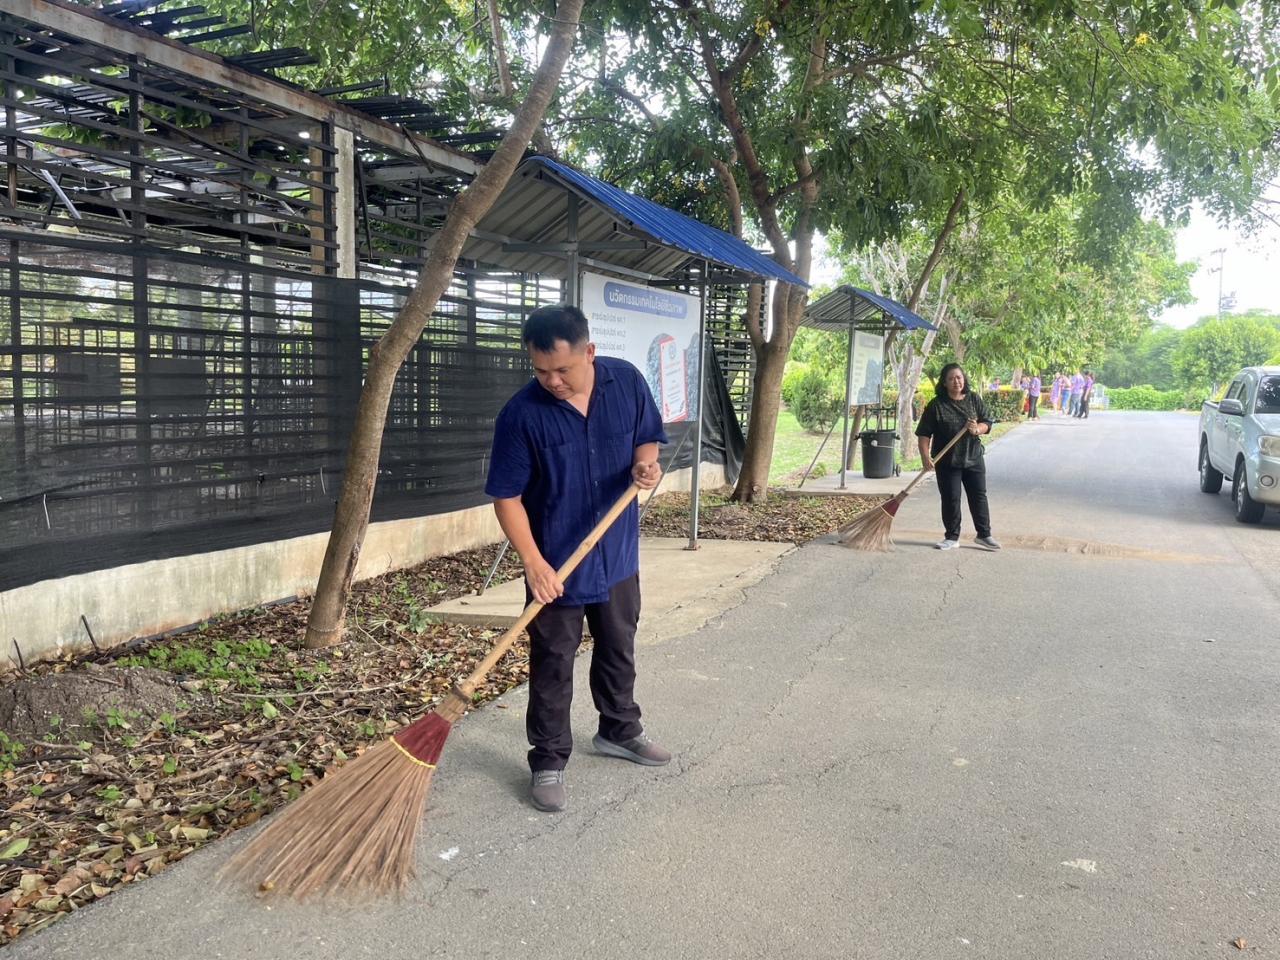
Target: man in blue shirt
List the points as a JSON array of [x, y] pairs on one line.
[[565, 448]]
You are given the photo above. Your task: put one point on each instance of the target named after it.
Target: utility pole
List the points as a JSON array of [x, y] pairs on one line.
[[1221, 252]]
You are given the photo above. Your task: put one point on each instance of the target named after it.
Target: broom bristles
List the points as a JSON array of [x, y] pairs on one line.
[[870, 530], [354, 832]]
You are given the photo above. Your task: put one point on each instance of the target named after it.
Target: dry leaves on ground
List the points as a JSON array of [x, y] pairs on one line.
[[115, 795], [784, 518]]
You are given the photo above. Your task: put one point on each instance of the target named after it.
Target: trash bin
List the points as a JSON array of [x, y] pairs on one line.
[[877, 453]]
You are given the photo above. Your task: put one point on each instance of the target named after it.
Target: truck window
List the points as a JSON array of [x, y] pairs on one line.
[[1235, 391], [1268, 396]]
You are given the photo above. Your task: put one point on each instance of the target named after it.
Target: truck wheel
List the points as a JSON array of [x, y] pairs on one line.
[[1248, 510], [1210, 479]]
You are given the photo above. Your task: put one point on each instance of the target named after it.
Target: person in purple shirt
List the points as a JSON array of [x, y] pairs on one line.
[[1082, 408], [565, 448], [1033, 398], [1077, 389]]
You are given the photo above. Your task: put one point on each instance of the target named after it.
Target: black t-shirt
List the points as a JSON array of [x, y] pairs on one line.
[[943, 418]]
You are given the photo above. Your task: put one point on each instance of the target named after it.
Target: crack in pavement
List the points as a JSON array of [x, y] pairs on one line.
[[944, 601], [808, 778]]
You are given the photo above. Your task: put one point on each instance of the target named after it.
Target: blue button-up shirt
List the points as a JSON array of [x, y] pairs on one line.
[[569, 470]]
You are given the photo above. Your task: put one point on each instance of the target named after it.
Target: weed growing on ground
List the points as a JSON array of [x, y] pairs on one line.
[[235, 661], [10, 751]]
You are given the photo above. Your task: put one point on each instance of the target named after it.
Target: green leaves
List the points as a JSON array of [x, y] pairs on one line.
[[1213, 351]]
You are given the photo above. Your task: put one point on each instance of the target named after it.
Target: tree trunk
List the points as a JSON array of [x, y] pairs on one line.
[[328, 609], [766, 395], [766, 399], [855, 428], [908, 382]]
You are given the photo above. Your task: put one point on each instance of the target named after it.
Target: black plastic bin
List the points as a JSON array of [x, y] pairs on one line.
[[877, 453]]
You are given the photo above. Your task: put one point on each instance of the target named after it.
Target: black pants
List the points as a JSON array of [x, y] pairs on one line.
[[1032, 410], [1083, 411], [974, 481], [555, 635]]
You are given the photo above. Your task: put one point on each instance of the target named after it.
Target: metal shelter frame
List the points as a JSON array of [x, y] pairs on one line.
[[196, 258], [851, 310], [556, 220]]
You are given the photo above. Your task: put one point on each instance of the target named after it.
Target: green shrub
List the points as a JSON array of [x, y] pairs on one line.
[[1145, 397], [1004, 404], [790, 378], [918, 403], [814, 403]]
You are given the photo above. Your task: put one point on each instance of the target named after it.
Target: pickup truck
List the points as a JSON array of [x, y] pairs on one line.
[[1240, 441]]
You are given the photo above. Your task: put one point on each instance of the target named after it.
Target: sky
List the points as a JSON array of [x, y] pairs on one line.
[[1251, 269]]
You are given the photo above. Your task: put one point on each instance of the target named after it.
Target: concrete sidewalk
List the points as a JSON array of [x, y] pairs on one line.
[[680, 589], [960, 754], [855, 484]]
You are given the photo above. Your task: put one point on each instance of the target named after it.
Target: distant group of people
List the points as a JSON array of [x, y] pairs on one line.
[[1071, 394]]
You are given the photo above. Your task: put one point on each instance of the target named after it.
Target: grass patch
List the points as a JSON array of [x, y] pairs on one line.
[[794, 447]]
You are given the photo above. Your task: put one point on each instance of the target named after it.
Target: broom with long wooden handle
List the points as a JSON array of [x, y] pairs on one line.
[[870, 530], [354, 832]]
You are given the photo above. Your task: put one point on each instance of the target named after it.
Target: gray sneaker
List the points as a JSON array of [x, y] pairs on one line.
[[638, 750], [947, 544], [547, 790], [990, 543]]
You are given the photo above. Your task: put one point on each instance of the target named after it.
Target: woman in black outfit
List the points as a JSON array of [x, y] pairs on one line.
[[957, 408]]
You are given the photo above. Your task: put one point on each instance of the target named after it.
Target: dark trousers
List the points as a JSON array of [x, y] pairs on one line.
[[974, 481], [1032, 410], [1083, 410], [555, 634]]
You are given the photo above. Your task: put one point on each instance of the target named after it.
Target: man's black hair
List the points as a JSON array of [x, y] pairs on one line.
[[546, 325]]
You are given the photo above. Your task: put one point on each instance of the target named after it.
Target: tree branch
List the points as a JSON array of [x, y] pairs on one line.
[[500, 51], [731, 116], [858, 68], [939, 242], [635, 100]]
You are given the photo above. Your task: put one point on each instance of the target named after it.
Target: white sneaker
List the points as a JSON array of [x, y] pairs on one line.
[[947, 544]]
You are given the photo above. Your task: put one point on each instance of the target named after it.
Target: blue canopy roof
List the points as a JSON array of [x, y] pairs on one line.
[[665, 226], [850, 306]]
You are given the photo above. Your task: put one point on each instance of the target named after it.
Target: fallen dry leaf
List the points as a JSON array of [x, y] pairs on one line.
[[68, 885], [1239, 943]]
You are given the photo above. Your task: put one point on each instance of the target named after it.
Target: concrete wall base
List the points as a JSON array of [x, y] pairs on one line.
[[143, 599]]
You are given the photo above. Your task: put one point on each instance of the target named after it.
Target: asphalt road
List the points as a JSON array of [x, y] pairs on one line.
[[1068, 749]]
